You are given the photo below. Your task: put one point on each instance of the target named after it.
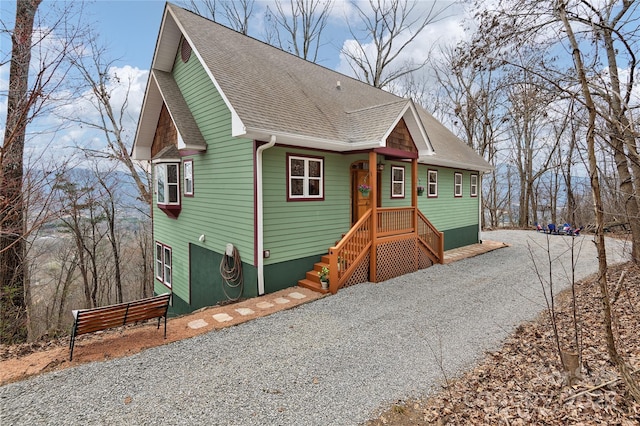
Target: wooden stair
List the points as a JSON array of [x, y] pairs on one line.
[[312, 280]]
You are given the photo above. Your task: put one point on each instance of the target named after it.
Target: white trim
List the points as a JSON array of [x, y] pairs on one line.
[[416, 128], [434, 161], [167, 184]]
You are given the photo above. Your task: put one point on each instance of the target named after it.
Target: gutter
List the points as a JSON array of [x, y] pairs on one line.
[[260, 213]]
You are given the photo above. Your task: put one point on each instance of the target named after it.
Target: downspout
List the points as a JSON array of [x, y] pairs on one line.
[[260, 213], [480, 177]]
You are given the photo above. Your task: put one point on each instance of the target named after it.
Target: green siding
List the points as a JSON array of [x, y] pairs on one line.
[[447, 212], [222, 207], [299, 229]]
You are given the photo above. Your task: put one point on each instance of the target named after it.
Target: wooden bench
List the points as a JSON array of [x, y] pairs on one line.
[[102, 318]]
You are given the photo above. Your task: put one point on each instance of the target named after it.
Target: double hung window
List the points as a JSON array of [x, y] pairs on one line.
[[187, 169], [473, 191], [397, 182], [432, 183], [163, 264], [457, 185], [167, 183]]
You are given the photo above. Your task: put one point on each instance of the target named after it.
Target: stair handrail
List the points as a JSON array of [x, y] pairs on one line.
[[347, 254], [434, 245]]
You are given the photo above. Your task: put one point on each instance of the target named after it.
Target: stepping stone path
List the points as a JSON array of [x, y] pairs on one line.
[[222, 317], [199, 323]]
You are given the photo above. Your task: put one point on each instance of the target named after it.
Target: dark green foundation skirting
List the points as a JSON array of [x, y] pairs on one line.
[[460, 237]]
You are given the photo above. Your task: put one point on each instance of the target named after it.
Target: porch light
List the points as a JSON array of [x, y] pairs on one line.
[[380, 167]]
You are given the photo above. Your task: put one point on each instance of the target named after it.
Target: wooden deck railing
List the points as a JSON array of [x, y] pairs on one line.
[[345, 257], [395, 221]]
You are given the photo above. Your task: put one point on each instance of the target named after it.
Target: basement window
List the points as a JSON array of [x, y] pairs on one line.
[[163, 264]]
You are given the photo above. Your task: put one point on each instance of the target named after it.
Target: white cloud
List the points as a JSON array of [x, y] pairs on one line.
[[126, 87]]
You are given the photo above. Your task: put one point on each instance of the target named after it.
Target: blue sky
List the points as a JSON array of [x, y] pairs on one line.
[[129, 28]]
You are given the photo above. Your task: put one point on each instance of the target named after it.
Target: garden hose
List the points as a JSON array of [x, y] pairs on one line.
[[231, 272]]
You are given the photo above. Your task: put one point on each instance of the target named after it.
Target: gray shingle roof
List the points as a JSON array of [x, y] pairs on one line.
[[180, 113], [275, 92]]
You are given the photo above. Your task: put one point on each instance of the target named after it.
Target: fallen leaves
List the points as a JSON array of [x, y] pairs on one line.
[[523, 383]]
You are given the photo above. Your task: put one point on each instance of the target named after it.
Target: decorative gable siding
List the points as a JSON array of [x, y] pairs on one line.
[[400, 138], [166, 133], [222, 207]]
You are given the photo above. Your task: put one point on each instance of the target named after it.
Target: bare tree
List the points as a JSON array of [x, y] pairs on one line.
[[235, 13], [389, 27], [472, 99], [30, 93], [302, 22], [607, 32], [238, 13], [578, 26], [533, 146], [208, 8], [100, 79], [614, 355]]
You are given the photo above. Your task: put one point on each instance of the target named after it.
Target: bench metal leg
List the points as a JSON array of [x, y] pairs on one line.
[[72, 343]]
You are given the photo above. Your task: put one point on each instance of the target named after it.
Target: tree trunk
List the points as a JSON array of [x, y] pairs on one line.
[[13, 306], [622, 135], [614, 356]]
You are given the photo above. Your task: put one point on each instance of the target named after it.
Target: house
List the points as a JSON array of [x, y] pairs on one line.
[[259, 158]]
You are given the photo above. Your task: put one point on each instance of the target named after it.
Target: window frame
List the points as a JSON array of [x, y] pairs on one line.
[[185, 178], [167, 185], [171, 208], [393, 181], [431, 194], [305, 178], [161, 264], [473, 186], [457, 187]]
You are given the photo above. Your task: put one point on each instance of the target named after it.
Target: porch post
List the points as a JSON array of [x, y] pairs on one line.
[[414, 203], [373, 172]]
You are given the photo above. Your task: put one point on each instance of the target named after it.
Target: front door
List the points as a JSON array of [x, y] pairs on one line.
[[360, 202]]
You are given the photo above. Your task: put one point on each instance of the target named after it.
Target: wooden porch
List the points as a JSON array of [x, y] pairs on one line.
[[384, 242], [380, 246]]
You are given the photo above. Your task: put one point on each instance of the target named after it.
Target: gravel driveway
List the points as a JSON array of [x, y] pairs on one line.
[[336, 361]]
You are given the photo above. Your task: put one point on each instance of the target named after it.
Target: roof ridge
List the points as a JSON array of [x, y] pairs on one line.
[[401, 100]]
